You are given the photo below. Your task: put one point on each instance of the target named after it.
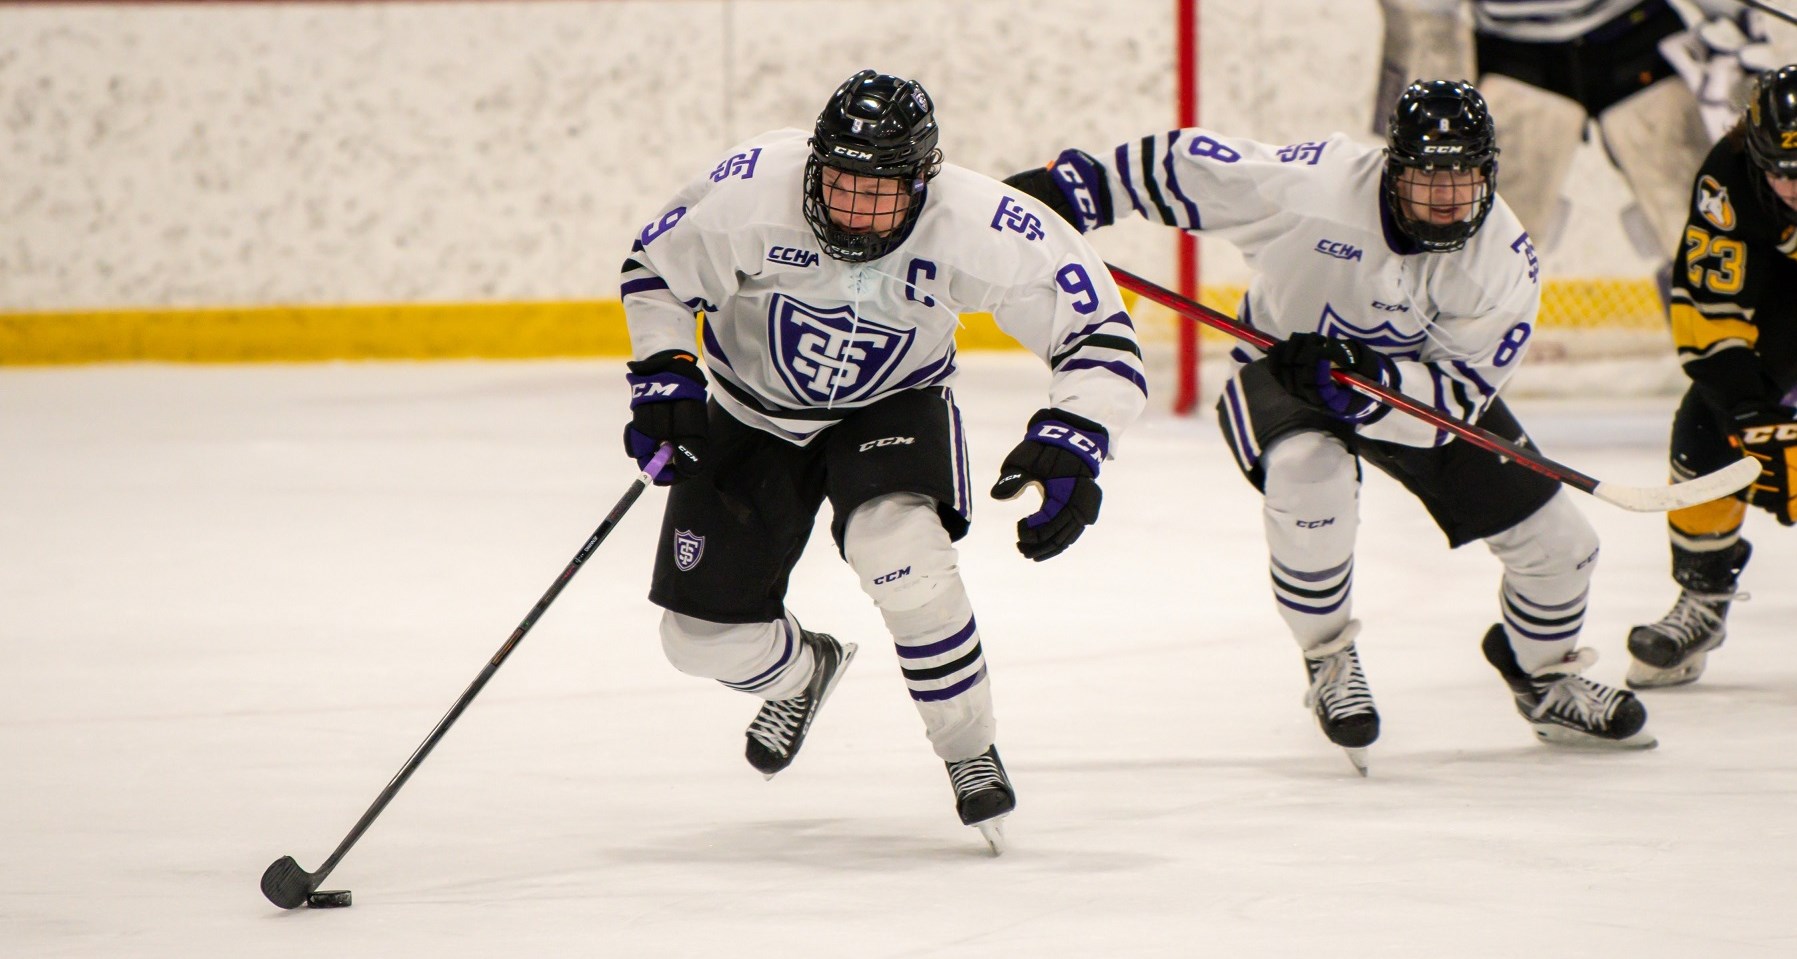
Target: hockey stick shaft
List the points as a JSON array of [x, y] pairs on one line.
[[1771, 10], [1640, 499], [280, 882]]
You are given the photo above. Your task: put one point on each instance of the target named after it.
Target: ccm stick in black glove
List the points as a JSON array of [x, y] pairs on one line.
[[667, 405], [1766, 432], [1302, 364], [1061, 455]]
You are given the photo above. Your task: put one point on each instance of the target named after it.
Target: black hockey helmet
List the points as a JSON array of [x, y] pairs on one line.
[[875, 125], [1772, 122], [1440, 125]]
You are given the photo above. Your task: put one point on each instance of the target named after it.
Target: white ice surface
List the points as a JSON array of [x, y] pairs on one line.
[[233, 600]]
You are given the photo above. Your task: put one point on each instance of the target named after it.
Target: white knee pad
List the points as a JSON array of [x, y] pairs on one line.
[[1556, 543], [1548, 561], [1312, 517], [906, 562], [900, 551], [765, 659]]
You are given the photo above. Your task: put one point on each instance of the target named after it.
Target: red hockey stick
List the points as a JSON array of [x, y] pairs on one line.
[[1641, 499]]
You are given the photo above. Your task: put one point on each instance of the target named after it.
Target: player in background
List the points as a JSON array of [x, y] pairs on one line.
[[1404, 266], [1549, 68], [1734, 320], [831, 272]]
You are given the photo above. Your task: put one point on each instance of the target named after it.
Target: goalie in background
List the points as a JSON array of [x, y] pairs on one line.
[[1734, 320], [1651, 83], [1402, 265]]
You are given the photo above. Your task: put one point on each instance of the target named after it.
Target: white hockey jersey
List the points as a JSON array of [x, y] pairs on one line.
[[1530, 21], [1312, 222], [796, 340]]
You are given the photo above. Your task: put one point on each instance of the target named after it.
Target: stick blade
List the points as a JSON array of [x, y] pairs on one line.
[[286, 884], [1691, 492]]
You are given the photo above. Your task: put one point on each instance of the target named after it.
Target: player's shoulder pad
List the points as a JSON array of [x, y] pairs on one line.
[[992, 214], [756, 181]]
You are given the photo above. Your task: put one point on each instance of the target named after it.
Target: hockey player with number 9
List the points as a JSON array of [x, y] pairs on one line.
[[1403, 266], [832, 272], [1734, 322]]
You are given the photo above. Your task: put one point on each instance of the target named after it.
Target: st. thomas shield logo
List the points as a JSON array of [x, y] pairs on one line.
[[688, 549]]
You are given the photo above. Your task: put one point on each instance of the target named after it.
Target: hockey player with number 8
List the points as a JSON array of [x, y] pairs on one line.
[[832, 272], [1403, 266], [1734, 322]]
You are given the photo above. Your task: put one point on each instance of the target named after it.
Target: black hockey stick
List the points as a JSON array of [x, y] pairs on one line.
[[1767, 8], [284, 882], [1641, 499]]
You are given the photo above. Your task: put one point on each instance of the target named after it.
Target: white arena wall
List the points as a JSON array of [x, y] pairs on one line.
[[459, 163]]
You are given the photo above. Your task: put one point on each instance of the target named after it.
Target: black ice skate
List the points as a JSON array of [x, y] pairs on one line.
[[1565, 708], [1673, 651], [779, 728], [1340, 696], [983, 795]]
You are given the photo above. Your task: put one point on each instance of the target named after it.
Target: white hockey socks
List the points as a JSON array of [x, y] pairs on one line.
[[907, 564], [1311, 514], [1548, 561], [765, 659]]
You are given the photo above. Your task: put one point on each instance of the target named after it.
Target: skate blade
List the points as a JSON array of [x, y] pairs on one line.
[[993, 831], [1561, 736], [1357, 756], [1643, 676]]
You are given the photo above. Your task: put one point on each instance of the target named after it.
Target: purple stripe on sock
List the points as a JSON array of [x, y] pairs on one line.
[[765, 677], [938, 648]]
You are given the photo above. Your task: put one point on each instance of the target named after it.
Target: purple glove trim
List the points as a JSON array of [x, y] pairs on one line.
[[1076, 173], [663, 388], [1055, 495], [1090, 447]]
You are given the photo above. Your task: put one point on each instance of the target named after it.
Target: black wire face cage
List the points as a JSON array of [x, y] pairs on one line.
[[1478, 182], [862, 217]]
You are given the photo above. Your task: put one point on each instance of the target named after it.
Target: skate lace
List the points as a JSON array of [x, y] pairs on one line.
[[1340, 686], [1588, 703], [1695, 614], [777, 724], [972, 775]]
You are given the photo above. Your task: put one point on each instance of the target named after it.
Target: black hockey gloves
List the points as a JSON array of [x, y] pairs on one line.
[[1302, 363], [667, 405], [1061, 455], [1073, 186], [1765, 431]]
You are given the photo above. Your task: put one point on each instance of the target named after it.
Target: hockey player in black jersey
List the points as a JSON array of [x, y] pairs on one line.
[[832, 270], [1403, 265], [1734, 321]]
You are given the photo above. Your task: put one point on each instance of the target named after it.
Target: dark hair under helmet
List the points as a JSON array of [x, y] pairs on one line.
[[1440, 125], [875, 125]]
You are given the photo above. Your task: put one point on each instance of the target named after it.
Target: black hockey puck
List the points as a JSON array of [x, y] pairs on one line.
[[328, 899]]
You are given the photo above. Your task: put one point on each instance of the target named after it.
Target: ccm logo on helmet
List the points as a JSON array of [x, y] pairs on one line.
[[1443, 148], [851, 153], [1783, 432]]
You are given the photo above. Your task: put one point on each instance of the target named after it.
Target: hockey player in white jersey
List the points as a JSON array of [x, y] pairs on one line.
[[1403, 266], [831, 272], [1634, 68]]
